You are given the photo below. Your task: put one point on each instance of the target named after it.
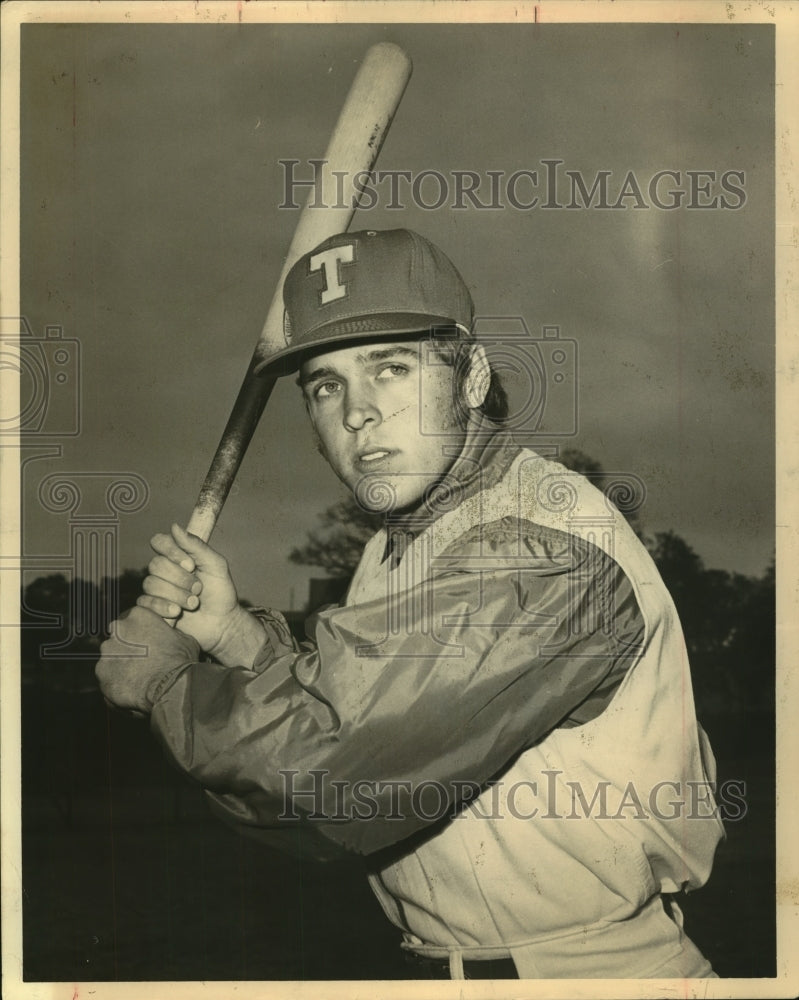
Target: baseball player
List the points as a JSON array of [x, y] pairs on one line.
[[499, 715]]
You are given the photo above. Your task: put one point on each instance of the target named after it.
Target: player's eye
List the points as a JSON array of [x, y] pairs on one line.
[[325, 389], [394, 370]]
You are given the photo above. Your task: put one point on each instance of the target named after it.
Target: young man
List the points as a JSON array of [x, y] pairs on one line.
[[500, 714]]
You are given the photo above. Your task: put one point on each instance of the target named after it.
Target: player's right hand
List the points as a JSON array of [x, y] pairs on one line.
[[191, 582]]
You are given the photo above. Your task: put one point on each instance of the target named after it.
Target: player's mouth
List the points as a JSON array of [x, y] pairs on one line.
[[375, 458]]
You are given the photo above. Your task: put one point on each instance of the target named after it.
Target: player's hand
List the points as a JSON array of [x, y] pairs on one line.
[[141, 651], [191, 582]]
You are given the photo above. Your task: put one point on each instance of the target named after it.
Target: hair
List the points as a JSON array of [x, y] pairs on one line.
[[455, 351]]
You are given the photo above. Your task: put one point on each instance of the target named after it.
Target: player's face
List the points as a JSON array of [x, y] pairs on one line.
[[385, 419]]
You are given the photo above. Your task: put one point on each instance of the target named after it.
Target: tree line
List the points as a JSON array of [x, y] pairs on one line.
[[728, 618]]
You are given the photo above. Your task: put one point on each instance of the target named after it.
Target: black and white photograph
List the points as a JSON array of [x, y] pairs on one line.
[[393, 402]]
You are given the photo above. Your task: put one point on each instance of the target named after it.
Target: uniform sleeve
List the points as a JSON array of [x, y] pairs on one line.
[[405, 707]]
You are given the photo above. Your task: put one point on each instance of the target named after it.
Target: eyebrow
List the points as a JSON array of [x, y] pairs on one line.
[[315, 375], [377, 354]]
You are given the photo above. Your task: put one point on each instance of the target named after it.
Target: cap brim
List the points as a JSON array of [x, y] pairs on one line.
[[335, 335]]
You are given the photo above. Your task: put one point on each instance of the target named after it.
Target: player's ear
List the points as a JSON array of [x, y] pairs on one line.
[[478, 378]]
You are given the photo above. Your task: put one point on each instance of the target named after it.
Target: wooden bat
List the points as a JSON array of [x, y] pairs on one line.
[[353, 148]]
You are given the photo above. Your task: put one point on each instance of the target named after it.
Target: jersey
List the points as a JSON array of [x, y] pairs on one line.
[[500, 716]]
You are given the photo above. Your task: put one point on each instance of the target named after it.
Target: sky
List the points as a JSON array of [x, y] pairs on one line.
[[152, 236]]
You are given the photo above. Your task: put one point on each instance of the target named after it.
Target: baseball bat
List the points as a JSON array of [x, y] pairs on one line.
[[354, 145]]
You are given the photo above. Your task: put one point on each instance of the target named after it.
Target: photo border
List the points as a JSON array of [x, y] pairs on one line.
[[786, 19]]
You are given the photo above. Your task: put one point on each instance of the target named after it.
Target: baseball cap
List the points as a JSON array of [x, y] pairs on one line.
[[367, 285]]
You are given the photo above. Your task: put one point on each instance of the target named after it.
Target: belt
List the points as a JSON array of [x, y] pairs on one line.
[[422, 967]]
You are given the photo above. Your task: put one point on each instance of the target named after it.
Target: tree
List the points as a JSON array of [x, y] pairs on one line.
[[578, 461], [336, 546], [728, 620], [752, 648]]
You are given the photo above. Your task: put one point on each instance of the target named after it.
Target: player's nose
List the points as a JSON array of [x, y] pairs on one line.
[[360, 406]]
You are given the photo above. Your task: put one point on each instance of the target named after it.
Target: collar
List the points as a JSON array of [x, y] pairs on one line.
[[487, 454]]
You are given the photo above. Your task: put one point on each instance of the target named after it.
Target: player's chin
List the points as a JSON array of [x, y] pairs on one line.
[[377, 492]]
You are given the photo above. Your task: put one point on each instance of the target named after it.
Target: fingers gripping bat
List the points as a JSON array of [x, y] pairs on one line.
[[353, 149]]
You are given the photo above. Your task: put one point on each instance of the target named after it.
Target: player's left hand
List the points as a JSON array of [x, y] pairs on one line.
[[189, 581], [141, 650]]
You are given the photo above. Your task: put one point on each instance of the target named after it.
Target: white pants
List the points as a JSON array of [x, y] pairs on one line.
[[650, 945]]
